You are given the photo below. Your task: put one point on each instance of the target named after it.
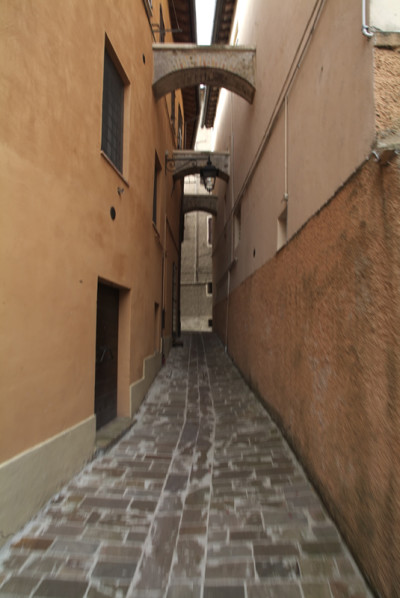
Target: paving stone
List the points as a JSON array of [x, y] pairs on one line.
[[351, 589], [75, 568], [271, 550], [224, 592], [18, 586], [282, 568], [322, 547], [345, 567], [128, 553], [240, 535], [225, 552], [106, 503], [190, 557], [54, 588], [281, 590], [198, 497], [156, 563], [33, 543], [317, 567], [43, 564], [193, 530], [316, 590], [184, 591], [76, 547], [15, 562], [230, 570], [103, 534], [175, 483], [114, 569], [273, 518], [148, 506]]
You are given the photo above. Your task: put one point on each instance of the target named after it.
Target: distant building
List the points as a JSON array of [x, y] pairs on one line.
[[196, 254], [196, 272]]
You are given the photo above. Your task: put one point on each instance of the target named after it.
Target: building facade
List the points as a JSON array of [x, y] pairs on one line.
[[306, 255], [196, 253], [196, 272], [90, 235]]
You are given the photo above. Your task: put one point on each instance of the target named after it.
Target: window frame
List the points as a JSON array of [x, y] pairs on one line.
[[157, 171], [162, 26], [113, 69], [209, 231]]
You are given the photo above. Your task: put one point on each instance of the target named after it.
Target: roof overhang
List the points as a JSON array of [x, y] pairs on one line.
[[224, 14], [183, 22]]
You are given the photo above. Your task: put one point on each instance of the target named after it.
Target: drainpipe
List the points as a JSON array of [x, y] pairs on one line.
[[365, 28]]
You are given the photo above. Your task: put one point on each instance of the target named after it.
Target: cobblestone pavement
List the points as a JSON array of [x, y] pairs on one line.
[[202, 498]]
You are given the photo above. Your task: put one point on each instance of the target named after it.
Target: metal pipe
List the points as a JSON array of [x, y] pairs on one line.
[[365, 28]]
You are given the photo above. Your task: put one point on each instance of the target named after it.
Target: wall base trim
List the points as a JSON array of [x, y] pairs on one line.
[[28, 480], [138, 390]]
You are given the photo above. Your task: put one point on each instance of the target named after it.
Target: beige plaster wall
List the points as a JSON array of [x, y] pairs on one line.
[[385, 15], [310, 126], [57, 237], [314, 331]]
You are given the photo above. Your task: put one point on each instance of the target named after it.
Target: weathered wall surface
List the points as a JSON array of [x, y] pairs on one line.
[[387, 87], [317, 338]]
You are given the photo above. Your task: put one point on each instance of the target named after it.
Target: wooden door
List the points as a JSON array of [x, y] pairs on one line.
[[105, 403]]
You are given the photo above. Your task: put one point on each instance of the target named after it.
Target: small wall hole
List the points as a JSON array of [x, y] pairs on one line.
[[113, 213]]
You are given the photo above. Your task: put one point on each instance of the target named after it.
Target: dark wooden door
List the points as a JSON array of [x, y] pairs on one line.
[[105, 402]]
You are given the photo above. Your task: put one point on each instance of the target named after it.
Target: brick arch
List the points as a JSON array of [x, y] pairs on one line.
[[177, 66]]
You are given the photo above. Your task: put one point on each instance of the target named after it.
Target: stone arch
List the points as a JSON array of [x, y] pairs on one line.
[[186, 162], [200, 203], [177, 66]]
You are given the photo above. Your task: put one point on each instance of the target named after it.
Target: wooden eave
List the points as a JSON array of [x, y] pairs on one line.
[[183, 23], [224, 13]]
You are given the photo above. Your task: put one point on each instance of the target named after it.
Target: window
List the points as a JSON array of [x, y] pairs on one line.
[[209, 230], [173, 108], [157, 169], [162, 27], [113, 112], [180, 128], [237, 226], [282, 228], [209, 289], [148, 4]]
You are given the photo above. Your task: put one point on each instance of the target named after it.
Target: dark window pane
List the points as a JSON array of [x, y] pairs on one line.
[[113, 113]]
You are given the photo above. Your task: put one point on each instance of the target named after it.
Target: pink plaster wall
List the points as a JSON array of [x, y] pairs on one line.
[[317, 338]]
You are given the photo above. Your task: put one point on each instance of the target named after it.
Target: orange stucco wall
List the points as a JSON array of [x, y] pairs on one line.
[[57, 237], [317, 338]]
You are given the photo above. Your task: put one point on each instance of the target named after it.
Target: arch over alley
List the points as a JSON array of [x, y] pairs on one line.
[[186, 162], [177, 66], [201, 203]]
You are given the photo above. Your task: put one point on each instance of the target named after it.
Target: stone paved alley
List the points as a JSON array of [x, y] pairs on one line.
[[202, 497]]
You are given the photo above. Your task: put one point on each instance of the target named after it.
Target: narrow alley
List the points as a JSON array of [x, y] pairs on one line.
[[202, 497]]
